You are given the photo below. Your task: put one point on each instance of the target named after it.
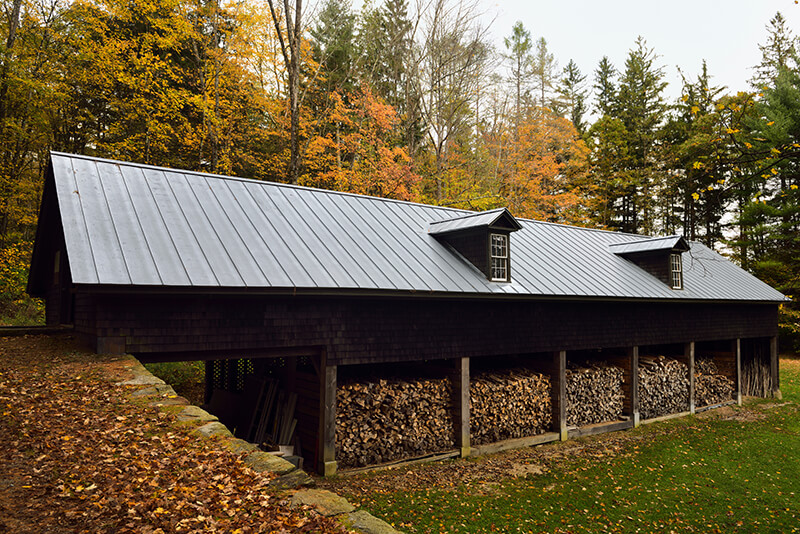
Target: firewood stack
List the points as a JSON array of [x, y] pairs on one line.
[[385, 420], [710, 386], [663, 386], [594, 394], [510, 404]]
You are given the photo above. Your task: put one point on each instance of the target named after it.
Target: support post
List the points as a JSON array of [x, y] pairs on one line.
[[633, 354], [688, 352], [327, 417], [560, 394], [774, 369], [460, 380], [737, 348]]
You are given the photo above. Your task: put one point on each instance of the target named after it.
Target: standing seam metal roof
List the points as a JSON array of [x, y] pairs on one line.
[[134, 225]]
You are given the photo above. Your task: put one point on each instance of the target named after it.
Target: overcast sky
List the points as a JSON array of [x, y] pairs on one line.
[[726, 33]]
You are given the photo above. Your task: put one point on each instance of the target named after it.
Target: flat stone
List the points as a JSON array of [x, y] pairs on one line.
[[296, 479], [141, 379], [170, 401], [369, 524], [163, 390], [238, 446], [214, 428], [326, 502], [194, 413], [262, 461]]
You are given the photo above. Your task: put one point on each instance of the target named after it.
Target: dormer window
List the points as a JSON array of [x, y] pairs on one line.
[[676, 265], [483, 239], [659, 256], [499, 257]]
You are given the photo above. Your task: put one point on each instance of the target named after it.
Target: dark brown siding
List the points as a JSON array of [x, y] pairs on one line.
[[474, 246], [373, 330], [657, 265]]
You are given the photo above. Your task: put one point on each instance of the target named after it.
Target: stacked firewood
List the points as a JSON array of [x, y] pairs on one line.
[[510, 404], [663, 387], [710, 386], [384, 420], [594, 394]]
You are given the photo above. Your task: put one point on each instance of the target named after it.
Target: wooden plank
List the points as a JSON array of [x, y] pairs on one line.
[[688, 352], [560, 394], [461, 398], [774, 370], [599, 428], [400, 463], [714, 406], [666, 417], [633, 355], [738, 350], [516, 443], [327, 420]]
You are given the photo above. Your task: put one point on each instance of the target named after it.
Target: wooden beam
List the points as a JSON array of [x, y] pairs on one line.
[[737, 348], [460, 380], [327, 417], [774, 369], [559, 380], [688, 352], [633, 356]]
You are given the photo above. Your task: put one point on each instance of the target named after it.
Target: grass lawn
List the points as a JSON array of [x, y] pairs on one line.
[[736, 469]]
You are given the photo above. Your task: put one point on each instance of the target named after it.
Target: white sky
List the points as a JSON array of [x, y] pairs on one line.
[[682, 32]]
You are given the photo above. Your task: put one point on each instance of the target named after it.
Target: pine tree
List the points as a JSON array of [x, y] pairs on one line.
[[777, 54], [334, 46], [544, 68], [520, 59], [572, 94], [604, 88]]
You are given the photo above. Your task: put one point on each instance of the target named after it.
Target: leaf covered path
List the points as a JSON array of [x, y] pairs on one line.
[[77, 454]]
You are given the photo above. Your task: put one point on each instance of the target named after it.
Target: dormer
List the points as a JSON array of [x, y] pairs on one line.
[[661, 256], [484, 239]]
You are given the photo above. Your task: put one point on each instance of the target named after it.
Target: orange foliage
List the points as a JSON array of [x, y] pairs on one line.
[[546, 176], [351, 150]]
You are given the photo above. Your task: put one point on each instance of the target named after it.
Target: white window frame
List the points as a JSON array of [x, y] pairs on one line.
[[501, 255], [676, 271]]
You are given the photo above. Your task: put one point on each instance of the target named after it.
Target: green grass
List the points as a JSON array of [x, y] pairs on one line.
[[731, 471], [187, 378]]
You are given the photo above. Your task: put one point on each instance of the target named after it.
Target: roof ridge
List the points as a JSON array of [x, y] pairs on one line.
[[473, 214]]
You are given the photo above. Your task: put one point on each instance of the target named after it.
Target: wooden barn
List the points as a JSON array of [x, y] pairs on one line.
[[396, 330]]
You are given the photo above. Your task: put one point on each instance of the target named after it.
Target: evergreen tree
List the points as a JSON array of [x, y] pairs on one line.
[[520, 59], [778, 53], [642, 110], [334, 46], [604, 88], [544, 69], [572, 94]]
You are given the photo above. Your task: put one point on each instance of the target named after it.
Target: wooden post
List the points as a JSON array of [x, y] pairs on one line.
[[688, 351], [327, 417], [633, 354], [460, 380], [774, 370], [737, 348], [560, 393]]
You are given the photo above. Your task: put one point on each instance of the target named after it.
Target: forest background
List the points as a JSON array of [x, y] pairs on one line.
[[407, 100]]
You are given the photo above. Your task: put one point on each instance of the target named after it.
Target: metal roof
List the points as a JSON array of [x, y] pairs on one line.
[[471, 221], [134, 225], [673, 242]]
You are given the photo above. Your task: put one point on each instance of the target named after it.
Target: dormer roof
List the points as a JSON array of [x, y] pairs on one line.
[[497, 219], [673, 243]]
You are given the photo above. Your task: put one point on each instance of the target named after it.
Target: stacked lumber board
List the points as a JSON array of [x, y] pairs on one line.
[[710, 386], [663, 386], [379, 421], [594, 394], [510, 404]]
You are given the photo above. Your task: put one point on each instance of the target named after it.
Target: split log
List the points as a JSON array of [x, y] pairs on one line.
[[710, 386], [663, 386], [510, 404], [386, 420], [594, 394]]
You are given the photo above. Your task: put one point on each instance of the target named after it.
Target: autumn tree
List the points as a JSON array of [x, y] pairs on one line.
[[519, 57], [545, 70]]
